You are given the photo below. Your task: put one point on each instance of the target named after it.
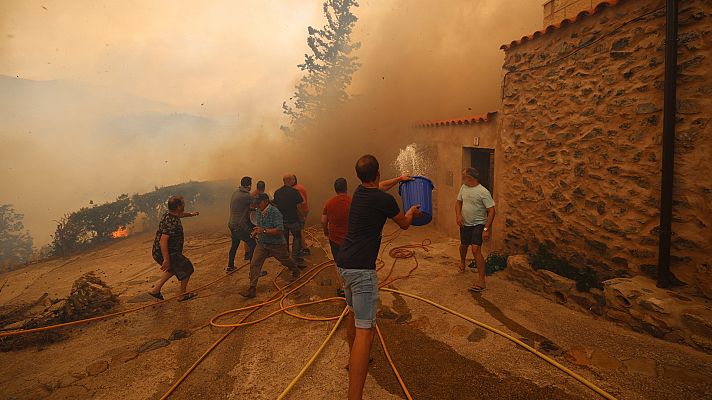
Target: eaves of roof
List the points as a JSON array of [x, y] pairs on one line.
[[457, 121], [568, 21]]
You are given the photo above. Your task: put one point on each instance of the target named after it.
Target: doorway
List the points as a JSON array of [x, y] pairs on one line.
[[483, 161]]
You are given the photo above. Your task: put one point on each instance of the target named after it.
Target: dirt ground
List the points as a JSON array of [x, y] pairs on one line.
[[440, 356]]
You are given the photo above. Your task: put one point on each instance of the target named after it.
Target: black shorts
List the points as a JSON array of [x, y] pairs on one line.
[[181, 266], [471, 235]]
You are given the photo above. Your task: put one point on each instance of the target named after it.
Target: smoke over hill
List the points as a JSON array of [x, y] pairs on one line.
[[172, 100]]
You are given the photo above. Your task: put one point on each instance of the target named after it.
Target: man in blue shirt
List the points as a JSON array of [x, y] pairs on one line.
[[270, 243], [474, 213]]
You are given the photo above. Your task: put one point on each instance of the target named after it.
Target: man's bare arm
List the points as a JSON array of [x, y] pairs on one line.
[[490, 217], [458, 213], [388, 184], [404, 220], [488, 224], [325, 224], [190, 214], [163, 243]]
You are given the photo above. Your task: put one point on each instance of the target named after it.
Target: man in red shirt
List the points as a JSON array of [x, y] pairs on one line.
[[335, 217], [335, 220]]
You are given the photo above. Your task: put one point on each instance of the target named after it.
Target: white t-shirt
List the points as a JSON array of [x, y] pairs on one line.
[[475, 202]]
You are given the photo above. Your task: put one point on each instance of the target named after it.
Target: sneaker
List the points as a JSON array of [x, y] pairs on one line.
[[230, 269], [306, 252], [250, 293], [340, 292], [295, 276]]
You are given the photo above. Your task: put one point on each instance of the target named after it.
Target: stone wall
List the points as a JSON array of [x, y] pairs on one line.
[[634, 302], [450, 144], [581, 127]]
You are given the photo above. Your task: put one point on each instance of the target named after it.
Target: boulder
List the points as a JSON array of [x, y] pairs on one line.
[[640, 304], [555, 287]]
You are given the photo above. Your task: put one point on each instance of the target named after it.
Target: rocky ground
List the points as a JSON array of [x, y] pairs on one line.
[[141, 355]]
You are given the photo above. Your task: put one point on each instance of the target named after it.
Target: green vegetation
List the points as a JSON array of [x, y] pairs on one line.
[[586, 278], [495, 262], [15, 242], [82, 229], [328, 69]]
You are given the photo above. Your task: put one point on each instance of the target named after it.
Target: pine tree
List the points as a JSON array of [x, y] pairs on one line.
[[328, 69], [15, 242]]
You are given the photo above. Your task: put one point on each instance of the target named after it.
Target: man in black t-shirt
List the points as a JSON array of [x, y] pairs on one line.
[[356, 261], [289, 202]]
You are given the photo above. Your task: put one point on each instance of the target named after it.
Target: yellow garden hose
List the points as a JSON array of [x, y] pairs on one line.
[[115, 314], [281, 294], [313, 358], [279, 298], [513, 339], [393, 365]]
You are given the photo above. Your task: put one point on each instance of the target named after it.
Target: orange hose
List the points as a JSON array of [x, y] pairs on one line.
[[116, 314]]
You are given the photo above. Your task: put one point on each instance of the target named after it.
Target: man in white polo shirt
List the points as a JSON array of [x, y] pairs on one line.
[[474, 213]]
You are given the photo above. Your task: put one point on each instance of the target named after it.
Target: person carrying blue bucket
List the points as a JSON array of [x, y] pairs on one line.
[[371, 206]]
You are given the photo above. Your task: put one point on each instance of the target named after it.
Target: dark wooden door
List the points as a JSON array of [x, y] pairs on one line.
[[483, 161]]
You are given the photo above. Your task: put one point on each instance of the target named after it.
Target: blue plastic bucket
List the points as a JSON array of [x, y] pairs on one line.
[[419, 191]]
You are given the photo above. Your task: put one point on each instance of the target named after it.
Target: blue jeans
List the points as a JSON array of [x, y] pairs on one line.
[[238, 235], [296, 230], [361, 290]]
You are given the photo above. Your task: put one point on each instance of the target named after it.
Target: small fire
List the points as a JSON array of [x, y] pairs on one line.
[[122, 232]]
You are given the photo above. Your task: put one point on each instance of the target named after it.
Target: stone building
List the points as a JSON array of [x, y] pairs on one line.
[[459, 143], [556, 11], [575, 149]]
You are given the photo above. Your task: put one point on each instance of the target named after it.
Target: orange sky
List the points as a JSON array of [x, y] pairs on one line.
[[233, 62]]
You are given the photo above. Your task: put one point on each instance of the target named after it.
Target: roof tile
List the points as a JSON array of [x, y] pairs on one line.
[[457, 121], [583, 14]]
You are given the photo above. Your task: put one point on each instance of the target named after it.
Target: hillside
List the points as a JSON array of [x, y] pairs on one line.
[[142, 354]]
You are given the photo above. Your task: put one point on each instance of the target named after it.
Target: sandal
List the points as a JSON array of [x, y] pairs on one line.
[[188, 296], [476, 289], [158, 295]]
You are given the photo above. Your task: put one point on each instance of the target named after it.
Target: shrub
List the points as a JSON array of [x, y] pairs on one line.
[[495, 262], [585, 278]]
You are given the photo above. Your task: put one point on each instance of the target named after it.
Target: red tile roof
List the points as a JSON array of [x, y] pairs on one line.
[[457, 121], [568, 21]]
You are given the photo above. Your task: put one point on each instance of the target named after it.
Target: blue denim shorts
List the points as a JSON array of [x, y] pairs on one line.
[[361, 290]]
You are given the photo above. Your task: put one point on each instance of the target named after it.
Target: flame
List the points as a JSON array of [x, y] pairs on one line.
[[122, 232]]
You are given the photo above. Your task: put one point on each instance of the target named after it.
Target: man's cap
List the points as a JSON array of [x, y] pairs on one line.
[[472, 172], [260, 197]]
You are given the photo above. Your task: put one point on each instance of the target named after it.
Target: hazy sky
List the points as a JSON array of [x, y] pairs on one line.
[[219, 53], [232, 62]]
